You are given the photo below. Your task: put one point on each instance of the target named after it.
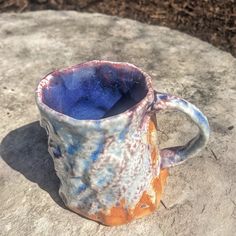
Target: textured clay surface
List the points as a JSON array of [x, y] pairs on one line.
[[200, 197]]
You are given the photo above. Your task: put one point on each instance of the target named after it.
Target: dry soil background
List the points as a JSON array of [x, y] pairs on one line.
[[210, 20]]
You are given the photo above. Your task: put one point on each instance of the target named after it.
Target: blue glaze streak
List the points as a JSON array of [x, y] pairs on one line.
[[72, 149], [81, 188], [123, 133], [102, 181], [57, 152], [163, 96], [200, 117], [94, 156], [105, 176], [109, 197], [101, 143], [184, 103], [86, 165]]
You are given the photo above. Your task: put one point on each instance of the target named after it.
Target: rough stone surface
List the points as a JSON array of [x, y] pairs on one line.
[[200, 197]]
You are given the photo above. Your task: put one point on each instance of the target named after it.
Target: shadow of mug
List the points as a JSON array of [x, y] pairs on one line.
[[25, 150]]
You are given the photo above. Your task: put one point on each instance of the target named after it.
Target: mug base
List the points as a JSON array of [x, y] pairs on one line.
[[121, 215]]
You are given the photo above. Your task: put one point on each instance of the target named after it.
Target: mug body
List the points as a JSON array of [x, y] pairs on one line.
[[105, 155]]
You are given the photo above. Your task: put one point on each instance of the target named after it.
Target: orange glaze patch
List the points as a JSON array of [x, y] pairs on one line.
[[144, 207], [152, 131], [118, 215], [158, 184]]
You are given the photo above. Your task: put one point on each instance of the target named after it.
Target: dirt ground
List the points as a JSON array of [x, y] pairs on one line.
[[213, 21]]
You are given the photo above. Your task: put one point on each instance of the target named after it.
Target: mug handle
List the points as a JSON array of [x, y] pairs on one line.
[[176, 155]]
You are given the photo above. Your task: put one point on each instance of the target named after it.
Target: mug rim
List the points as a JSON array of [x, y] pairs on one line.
[[66, 118]]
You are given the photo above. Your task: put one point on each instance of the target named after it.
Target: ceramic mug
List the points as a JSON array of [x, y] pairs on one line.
[[100, 118]]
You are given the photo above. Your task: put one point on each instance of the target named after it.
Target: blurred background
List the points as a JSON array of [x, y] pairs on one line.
[[213, 21]]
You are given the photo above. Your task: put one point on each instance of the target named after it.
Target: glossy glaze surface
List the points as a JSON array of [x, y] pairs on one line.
[[100, 118], [108, 168]]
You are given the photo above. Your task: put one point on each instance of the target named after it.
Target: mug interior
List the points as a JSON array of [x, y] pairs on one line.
[[95, 90]]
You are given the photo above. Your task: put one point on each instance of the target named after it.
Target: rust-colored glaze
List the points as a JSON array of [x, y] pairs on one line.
[[152, 130], [158, 184], [118, 215], [144, 207]]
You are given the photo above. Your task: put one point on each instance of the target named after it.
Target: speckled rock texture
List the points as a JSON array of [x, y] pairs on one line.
[[200, 197]]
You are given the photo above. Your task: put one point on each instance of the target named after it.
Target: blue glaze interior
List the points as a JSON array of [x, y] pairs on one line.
[[94, 92]]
